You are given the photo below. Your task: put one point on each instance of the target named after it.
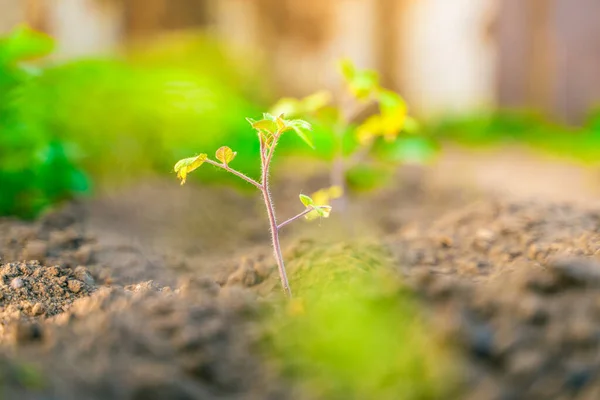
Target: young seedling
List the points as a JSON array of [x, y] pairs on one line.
[[269, 131], [366, 144]]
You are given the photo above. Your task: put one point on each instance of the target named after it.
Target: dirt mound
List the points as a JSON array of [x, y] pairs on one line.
[[58, 238], [517, 285], [482, 239], [30, 290], [147, 342]]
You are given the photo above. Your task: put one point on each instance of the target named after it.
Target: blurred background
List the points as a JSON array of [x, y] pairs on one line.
[[129, 86], [441, 55]]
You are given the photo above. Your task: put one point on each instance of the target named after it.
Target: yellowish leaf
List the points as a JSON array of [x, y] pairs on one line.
[[281, 124], [264, 125], [321, 199], [187, 165], [225, 154], [370, 128]]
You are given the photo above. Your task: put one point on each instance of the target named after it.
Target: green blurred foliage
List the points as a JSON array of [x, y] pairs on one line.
[[371, 148], [524, 127], [133, 117], [353, 331], [37, 166]]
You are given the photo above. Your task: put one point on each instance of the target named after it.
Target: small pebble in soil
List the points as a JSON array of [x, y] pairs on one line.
[[17, 283], [83, 275], [74, 285], [37, 309]]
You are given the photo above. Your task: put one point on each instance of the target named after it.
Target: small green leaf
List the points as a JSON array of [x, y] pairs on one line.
[[225, 154], [302, 129], [320, 200], [263, 125], [302, 134], [306, 200], [187, 165], [299, 123], [323, 211]]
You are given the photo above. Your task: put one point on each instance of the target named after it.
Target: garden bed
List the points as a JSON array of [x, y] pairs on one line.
[[157, 291]]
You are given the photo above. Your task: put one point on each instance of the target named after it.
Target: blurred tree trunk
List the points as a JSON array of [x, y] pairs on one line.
[[577, 28], [549, 56], [36, 14], [387, 14], [147, 17], [541, 74]]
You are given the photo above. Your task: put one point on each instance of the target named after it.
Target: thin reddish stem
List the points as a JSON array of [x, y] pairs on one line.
[[233, 171], [302, 214], [272, 218]]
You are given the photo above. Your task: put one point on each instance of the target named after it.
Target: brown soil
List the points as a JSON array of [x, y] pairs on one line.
[[139, 296], [521, 283], [29, 290]]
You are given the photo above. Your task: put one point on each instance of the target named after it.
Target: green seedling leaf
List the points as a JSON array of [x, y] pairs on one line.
[[321, 198], [225, 155], [264, 125], [306, 200], [187, 165], [323, 211], [302, 129], [269, 117]]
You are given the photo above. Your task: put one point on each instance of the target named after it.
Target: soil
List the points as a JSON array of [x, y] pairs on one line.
[[138, 295]]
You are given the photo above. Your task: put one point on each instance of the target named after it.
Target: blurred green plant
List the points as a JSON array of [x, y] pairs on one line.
[[270, 130], [524, 127], [37, 167], [355, 332], [132, 117], [363, 150]]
